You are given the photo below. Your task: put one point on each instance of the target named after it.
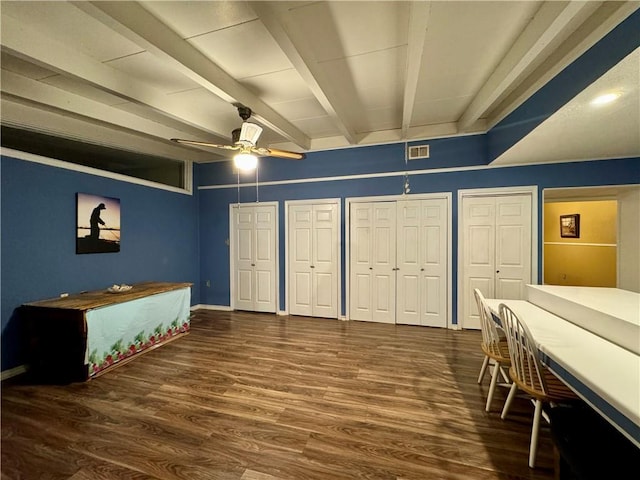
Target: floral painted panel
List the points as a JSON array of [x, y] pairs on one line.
[[124, 329]]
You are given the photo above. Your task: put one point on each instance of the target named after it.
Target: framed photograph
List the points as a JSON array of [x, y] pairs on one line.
[[570, 226], [98, 224]]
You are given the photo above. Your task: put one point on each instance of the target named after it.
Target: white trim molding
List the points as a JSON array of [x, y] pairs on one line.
[[202, 306]]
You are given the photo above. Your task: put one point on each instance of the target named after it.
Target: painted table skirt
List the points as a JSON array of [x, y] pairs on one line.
[[81, 336]]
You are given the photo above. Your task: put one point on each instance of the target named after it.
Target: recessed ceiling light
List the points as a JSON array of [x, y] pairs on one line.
[[604, 99]]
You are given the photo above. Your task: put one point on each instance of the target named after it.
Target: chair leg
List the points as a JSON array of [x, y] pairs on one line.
[[483, 369], [492, 387], [505, 376], [533, 448], [507, 403]]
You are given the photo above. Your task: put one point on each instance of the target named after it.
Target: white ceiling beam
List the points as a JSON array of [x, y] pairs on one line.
[[550, 21], [30, 45], [40, 93], [418, 21], [20, 113], [282, 27], [140, 26]]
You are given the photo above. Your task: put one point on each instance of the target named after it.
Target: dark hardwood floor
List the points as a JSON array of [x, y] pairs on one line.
[[256, 397]]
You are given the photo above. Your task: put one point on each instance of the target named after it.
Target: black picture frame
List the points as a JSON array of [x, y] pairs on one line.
[[570, 225], [98, 224]]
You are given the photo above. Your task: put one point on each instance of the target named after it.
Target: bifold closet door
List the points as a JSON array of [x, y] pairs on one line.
[[314, 239], [372, 232], [497, 249], [422, 262], [254, 254]]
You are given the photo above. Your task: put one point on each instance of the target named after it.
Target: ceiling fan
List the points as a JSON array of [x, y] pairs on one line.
[[244, 143]]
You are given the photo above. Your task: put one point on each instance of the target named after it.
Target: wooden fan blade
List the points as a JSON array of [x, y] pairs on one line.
[[205, 144], [274, 152]]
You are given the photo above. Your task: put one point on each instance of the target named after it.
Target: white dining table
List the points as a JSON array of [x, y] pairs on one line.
[[602, 373]]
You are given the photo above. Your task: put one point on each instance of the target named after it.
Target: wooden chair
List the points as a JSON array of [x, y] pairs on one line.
[[529, 375], [494, 347]]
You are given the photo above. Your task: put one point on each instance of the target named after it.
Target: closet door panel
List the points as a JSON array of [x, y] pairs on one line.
[[360, 261], [408, 259], [300, 253], [433, 262], [326, 251], [513, 246]]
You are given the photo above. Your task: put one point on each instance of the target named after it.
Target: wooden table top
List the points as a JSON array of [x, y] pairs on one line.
[[102, 298]]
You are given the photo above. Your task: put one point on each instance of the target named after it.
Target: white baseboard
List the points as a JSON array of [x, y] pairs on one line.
[[282, 313], [12, 372], [221, 308]]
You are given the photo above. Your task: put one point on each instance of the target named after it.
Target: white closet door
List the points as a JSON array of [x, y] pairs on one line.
[[513, 246], [479, 254], [372, 261], [265, 259], [313, 259], [409, 262], [243, 277], [384, 263], [300, 253], [433, 256], [422, 262], [361, 261], [254, 274], [325, 256], [497, 250]]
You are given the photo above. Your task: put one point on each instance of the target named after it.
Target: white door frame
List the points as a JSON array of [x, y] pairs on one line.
[[320, 201], [395, 198], [232, 262], [493, 192]]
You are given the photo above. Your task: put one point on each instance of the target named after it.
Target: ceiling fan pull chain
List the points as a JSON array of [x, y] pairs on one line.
[[257, 197], [238, 172]]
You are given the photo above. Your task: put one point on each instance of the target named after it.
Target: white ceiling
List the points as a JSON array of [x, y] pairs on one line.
[[317, 75]]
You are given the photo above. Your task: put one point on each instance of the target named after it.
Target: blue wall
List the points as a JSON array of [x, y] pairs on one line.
[[454, 153], [159, 240]]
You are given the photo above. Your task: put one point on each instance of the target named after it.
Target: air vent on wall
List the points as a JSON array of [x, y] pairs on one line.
[[418, 151]]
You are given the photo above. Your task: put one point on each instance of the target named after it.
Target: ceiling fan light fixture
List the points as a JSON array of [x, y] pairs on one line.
[[250, 133], [245, 161]]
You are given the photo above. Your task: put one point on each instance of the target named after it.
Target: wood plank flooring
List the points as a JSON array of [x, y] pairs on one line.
[[259, 397]]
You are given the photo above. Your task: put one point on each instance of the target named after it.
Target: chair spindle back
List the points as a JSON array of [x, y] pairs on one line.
[[490, 336], [523, 352]]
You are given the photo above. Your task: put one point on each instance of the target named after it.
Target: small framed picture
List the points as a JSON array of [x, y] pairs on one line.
[[98, 224], [570, 226]]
